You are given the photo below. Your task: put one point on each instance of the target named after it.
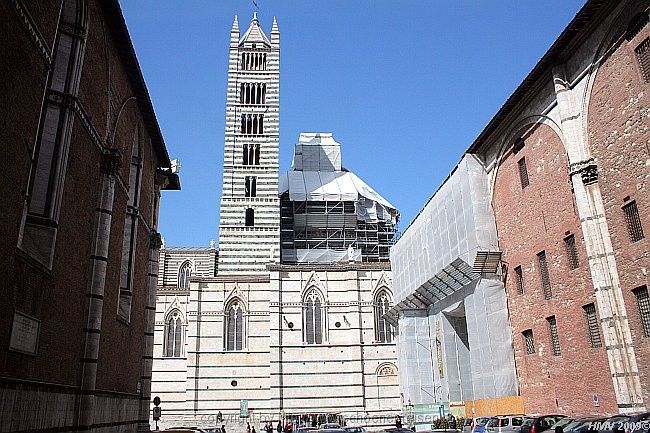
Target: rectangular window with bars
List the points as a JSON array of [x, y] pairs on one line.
[[523, 173], [529, 342], [555, 338], [592, 325], [543, 273], [643, 302], [634, 227], [571, 251], [643, 57], [519, 280]]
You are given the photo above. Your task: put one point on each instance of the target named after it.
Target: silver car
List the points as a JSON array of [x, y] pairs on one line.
[[505, 424]]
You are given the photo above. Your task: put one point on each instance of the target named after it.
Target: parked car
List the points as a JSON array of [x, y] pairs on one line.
[[505, 424], [306, 429], [583, 425], [539, 424], [354, 429], [562, 422], [480, 423], [328, 426], [633, 422]]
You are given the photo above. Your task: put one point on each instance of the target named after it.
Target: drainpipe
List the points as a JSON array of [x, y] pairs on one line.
[[155, 242], [110, 164]]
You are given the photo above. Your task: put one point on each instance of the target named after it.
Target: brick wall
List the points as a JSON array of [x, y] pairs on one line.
[[57, 296], [529, 220]]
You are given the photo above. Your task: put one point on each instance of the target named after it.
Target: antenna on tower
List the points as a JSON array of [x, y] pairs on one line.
[[257, 8]]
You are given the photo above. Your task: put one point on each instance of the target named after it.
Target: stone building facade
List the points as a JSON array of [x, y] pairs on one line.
[[80, 196], [566, 160], [283, 331]]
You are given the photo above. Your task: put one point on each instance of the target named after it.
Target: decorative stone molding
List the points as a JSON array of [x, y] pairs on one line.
[[28, 23], [587, 169], [111, 161], [155, 240]]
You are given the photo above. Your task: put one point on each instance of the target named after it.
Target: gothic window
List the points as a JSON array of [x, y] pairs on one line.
[[184, 273], [50, 153], [312, 318], [130, 232], [250, 217], [234, 326], [383, 330], [173, 335], [250, 187]]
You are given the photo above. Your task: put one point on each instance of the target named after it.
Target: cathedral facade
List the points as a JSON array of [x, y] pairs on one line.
[[287, 316]]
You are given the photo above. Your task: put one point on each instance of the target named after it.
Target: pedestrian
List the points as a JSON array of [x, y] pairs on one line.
[[223, 428], [279, 427], [398, 421], [253, 430], [248, 427], [452, 422]]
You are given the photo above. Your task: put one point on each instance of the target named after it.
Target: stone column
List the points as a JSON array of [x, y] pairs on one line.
[[111, 161], [583, 172], [155, 242]]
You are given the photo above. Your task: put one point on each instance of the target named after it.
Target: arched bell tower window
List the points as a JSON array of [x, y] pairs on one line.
[[173, 335], [234, 328], [384, 331], [184, 273]]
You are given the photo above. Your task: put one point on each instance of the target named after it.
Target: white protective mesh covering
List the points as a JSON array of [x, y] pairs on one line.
[[465, 315], [320, 255], [317, 175], [457, 222]]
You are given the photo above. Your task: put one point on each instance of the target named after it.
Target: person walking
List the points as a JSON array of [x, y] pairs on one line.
[[279, 427], [398, 421], [223, 428], [248, 427], [253, 430]]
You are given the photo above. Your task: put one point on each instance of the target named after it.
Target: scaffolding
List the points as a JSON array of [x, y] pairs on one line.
[[313, 231], [327, 213]]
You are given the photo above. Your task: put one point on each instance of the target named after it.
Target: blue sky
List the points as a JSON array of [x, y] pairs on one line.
[[405, 86]]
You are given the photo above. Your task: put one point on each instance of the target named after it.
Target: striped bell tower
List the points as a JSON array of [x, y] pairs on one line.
[[249, 225]]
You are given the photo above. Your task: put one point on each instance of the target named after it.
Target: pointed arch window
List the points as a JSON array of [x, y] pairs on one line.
[[184, 274], [50, 154], [234, 337], [384, 331], [130, 233], [174, 335], [313, 324]]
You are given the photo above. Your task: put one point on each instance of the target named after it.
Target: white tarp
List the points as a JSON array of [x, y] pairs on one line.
[[328, 186]]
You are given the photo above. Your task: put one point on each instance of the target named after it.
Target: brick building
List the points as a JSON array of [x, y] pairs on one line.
[[567, 165], [85, 162]]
